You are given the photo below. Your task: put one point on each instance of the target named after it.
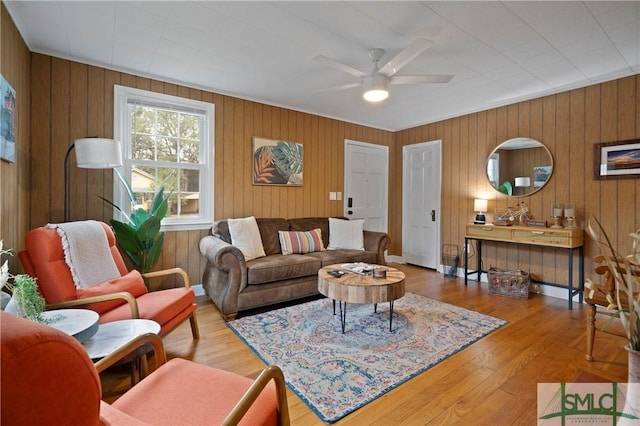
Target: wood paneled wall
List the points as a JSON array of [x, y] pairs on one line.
[[14, 177], [569, 124], [60, 100], [72, 100]]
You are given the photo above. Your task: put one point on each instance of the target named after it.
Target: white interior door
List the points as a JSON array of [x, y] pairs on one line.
[[421, 204], [366, 182]]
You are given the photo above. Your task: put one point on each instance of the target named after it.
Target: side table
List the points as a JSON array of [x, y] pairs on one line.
[[112, 335], [78, 323]]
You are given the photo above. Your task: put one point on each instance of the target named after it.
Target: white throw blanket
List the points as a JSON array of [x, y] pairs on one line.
[[86, 251]]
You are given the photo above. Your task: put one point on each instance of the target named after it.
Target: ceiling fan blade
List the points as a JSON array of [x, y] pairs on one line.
[[418, 46], [419, 79], [343, 87], [339, 66]]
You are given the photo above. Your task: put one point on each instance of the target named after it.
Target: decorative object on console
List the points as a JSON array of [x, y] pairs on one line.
[[556, 214], [536, 222], [91, 153], [570, 215], [513, 215], [480, 207]]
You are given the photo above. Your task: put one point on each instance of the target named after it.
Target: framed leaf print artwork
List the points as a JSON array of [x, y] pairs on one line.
[[277, 162]]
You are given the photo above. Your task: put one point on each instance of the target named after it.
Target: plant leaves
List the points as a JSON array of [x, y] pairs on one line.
[[126, 185], [154, 252], [126, 236], [148, 231]]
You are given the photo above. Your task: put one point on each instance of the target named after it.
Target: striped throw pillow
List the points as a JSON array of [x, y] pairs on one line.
[[300, 242]]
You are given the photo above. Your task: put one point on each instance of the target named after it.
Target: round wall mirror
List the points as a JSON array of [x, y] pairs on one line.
[[519, 167]]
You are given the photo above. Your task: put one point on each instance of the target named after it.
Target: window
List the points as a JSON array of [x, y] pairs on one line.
[[493, 170], [167, 141]]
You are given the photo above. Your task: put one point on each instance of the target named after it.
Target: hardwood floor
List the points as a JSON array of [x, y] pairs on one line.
[[493, 381]]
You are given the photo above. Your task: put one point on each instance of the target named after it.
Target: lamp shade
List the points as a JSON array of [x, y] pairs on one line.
[[523, 182], [479, 205], [98, 153], [375, 88]]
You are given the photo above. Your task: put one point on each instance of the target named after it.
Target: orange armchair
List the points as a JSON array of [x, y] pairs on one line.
[[48, 378], [124, 297]]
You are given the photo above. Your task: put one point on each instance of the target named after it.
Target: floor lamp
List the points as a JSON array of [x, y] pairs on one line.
[[91, 153]]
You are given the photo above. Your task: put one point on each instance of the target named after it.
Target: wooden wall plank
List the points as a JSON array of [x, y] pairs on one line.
[[569, 124], [604, 112]]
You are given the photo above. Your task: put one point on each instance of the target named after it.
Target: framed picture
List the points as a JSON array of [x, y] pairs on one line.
[[540, 175], [7, 121], [277, 162], [617, 160]]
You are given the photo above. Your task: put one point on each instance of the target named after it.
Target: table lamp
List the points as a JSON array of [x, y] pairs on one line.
[[480, 207]]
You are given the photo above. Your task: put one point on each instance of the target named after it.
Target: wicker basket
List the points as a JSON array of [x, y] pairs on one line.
[[513, 283]]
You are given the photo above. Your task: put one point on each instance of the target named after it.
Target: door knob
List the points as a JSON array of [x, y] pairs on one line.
[[433, 215]]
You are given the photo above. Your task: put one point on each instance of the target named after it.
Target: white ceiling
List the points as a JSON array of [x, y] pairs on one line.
[[498, 52]]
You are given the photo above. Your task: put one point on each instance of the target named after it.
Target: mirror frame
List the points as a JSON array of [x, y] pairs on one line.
[[526, 141]]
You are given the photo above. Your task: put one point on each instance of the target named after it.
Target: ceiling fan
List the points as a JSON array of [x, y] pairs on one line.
[[375, 84]]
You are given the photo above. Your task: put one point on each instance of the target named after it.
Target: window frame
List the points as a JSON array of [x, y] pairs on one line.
[[122, 97]]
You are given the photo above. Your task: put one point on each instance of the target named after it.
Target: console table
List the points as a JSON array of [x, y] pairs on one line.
[[567, 239]]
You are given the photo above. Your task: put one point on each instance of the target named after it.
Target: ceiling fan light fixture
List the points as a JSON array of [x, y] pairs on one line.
[[375, 88]]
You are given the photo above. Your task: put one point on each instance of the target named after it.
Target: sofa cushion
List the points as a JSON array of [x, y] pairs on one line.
[[269, 233], [245, 235], [300, 242], [309, 223], [268, 228], [332, 257], [280, 267], [346, 234]]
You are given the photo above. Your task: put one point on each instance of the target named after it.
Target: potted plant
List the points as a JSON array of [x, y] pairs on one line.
[[140, 235], [626, 274], [26, 300]]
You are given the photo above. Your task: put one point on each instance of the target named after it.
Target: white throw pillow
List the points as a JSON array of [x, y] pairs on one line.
[[246, 236], [346, 234]]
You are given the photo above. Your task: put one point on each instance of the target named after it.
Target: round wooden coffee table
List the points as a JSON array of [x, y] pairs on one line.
[[356, 288]]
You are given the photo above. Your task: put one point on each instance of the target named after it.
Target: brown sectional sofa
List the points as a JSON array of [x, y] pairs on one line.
[[234, 284]]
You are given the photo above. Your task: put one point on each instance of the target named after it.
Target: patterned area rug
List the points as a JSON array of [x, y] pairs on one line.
[[335, 373]]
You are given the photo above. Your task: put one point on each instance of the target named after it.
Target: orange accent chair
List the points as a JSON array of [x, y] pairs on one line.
[[121, 298], [48, 379]]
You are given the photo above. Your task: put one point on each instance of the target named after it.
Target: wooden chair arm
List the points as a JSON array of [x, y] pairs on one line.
[[171, 271], [135, 314], [274, 373], [130, 347]]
